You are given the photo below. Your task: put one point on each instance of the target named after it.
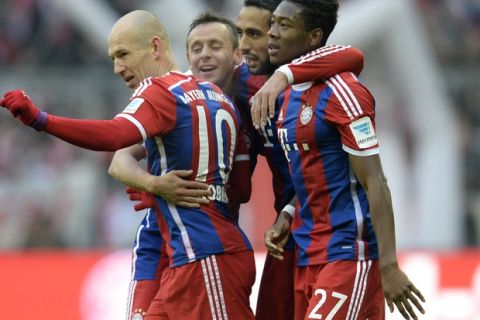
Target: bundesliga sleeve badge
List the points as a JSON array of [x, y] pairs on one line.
[[133, 105], [363, 132]]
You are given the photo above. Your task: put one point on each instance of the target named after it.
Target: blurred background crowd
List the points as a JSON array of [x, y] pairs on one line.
[[56, 195]]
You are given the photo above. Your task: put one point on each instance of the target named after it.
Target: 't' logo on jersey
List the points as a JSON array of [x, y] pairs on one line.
[[364, 132]]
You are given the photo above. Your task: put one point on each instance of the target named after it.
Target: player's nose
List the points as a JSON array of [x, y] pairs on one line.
[[118, 68]]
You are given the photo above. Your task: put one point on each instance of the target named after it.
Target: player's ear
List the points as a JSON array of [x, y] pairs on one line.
[[157, 47], [315, 37], [237, 56], [188, 56]]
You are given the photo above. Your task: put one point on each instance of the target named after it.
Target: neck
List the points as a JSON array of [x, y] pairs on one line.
[[167, 64], [229, 88]]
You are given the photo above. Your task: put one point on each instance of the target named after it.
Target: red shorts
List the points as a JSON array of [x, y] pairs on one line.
[[339, 290], [217, 287], [275, 295], [141, 294]]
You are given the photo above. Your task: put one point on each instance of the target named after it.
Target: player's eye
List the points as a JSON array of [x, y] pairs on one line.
[[196, 49]]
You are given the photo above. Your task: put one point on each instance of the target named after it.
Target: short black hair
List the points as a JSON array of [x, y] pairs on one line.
[[269, 5], [319, 14], [208, 17]]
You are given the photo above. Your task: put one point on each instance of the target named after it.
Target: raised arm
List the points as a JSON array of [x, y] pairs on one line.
[[320, 64]]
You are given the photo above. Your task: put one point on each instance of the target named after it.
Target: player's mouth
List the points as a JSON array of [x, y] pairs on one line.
[[129, 80], [207, 70], [273, 49], [249, 59]]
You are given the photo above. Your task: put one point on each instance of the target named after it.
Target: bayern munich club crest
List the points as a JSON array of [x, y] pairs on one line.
[[138, 314], [306, 114]]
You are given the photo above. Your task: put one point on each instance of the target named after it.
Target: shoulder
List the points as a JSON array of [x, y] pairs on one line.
[[346, 88]]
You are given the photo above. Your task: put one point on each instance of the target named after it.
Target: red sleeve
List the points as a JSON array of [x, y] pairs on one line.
[[239, 186], [351, 109], [97, 135], [152, 108], [324, 63], [151, 111]]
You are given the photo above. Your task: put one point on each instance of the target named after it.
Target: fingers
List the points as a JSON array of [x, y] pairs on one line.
[[256, 111], [188, 204], [276, 255], [402, 310], [413, 299], [272, 99], [196, 186], [405, 301], [417, 292], [264, 112], [182, 173], [139, 207], [271, 236], [130, 190], [390, 306]]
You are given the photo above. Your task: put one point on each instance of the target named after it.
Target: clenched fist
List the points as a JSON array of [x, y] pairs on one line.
[[21, 107]]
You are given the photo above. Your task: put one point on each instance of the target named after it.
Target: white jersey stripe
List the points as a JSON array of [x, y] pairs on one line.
[[163, 155], [318, 53], [220, 287], [358, 216], [203, 147], [347, 111], [354, 291], [350, 93], [135, 122], [183, 232], [209, 289], [322, 52], [363, 269], [345, 97], [361, 153], [214, 287], [173, 86], [131, 291], [364, 286], [315, 52], [359, 289], [173, 209], [142, 87]]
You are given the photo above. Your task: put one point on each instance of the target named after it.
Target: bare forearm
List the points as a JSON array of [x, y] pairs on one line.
[[383, 221], [126, 169]]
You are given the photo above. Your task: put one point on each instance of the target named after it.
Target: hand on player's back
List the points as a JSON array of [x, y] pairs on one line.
[[174, 188], [21, 107]]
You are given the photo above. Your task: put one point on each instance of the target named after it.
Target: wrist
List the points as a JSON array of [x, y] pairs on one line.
[[285, 216], [286, 73], [149, 184], [40, 122], [385, 266]]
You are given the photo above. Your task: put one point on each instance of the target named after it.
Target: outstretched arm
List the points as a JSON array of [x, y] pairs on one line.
[[399, 290], [97, 135]]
